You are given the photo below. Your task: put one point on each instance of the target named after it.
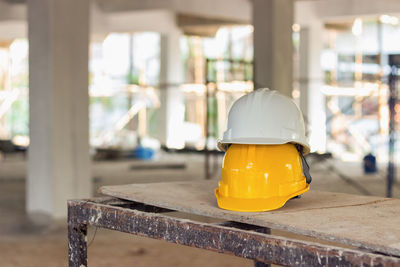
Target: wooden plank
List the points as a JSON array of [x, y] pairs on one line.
[[369, 222]]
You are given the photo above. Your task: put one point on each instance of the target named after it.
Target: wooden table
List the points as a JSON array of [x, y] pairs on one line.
[[365, 230]]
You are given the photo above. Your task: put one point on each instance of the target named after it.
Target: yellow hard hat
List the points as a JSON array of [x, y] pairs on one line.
[[260, 177]]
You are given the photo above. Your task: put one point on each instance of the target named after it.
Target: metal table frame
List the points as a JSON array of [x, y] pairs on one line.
[[242, 240]]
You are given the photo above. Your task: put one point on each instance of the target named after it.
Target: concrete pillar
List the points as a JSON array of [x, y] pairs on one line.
[[59, 163], [311, 80], [273, 47], [172, 112]]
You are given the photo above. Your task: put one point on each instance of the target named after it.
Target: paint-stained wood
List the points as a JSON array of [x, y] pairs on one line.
[[369, 222]]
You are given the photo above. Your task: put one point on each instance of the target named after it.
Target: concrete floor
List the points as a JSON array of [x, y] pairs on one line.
[[23, 243]]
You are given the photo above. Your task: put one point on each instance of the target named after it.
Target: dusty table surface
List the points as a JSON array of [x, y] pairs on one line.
[[369, 222]]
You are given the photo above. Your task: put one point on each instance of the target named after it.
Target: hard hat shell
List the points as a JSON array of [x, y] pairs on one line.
[[260, 177], [264, 117]]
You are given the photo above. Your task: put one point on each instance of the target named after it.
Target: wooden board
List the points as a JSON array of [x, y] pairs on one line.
[[369, 222]]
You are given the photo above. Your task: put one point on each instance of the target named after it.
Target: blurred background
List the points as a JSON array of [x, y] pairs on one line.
[[108, 92]]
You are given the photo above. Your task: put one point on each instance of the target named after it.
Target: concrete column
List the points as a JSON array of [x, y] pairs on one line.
[[59, 163], [311, 80], [273, 47], [172, 111]]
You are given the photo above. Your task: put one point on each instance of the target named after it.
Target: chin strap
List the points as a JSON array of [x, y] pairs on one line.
[[304, 164]]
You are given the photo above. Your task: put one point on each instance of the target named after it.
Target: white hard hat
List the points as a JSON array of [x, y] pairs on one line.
[[264, 117]]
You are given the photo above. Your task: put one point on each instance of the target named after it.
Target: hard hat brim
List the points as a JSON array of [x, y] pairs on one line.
[[224, 144], [255, 204]]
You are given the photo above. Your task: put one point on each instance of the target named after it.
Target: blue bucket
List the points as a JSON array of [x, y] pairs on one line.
[[143, 153]]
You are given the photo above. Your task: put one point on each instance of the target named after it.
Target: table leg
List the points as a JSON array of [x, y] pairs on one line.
[[77, 247]]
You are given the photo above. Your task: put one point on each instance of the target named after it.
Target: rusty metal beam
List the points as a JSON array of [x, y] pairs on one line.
[[77, 247], [224, 239]]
